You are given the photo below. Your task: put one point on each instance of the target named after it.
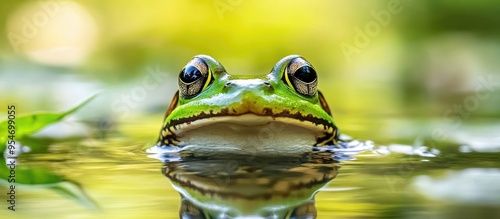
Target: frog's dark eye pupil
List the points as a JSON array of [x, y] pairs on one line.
[[190, 74], [306, 74]]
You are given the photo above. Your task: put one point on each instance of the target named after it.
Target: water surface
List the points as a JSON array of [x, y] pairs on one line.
[[407, 174]]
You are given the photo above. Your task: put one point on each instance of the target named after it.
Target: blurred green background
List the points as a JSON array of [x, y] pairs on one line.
[[390, 70], [373, 57]]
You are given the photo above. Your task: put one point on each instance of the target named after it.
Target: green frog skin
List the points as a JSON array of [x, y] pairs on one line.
[[275, 114]]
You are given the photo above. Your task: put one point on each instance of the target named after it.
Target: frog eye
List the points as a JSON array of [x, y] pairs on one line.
[[194, 78], [300, 75]]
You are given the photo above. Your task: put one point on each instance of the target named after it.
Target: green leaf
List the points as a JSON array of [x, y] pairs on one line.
[[3, 143], [30, 176], [76, 192], [39, 177], [35, 177], [31, 123]]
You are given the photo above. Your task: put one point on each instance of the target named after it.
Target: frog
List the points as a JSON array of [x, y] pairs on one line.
[[278, 113]]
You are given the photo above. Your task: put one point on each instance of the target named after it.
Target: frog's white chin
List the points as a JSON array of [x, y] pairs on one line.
[[249, 134]]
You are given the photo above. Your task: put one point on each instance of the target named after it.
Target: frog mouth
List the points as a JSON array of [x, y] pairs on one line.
[[249, 129]]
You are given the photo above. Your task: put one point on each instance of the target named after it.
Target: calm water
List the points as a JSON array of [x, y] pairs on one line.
[[407, 174]]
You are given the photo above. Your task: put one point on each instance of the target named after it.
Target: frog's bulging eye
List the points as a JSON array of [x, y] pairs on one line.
[[194, 78], [300, 75]]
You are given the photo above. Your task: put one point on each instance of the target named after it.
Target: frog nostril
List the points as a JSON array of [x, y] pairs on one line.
[[228, 83], [268, 86]]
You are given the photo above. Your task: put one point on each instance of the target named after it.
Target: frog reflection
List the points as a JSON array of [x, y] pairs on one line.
[[237, 187]]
